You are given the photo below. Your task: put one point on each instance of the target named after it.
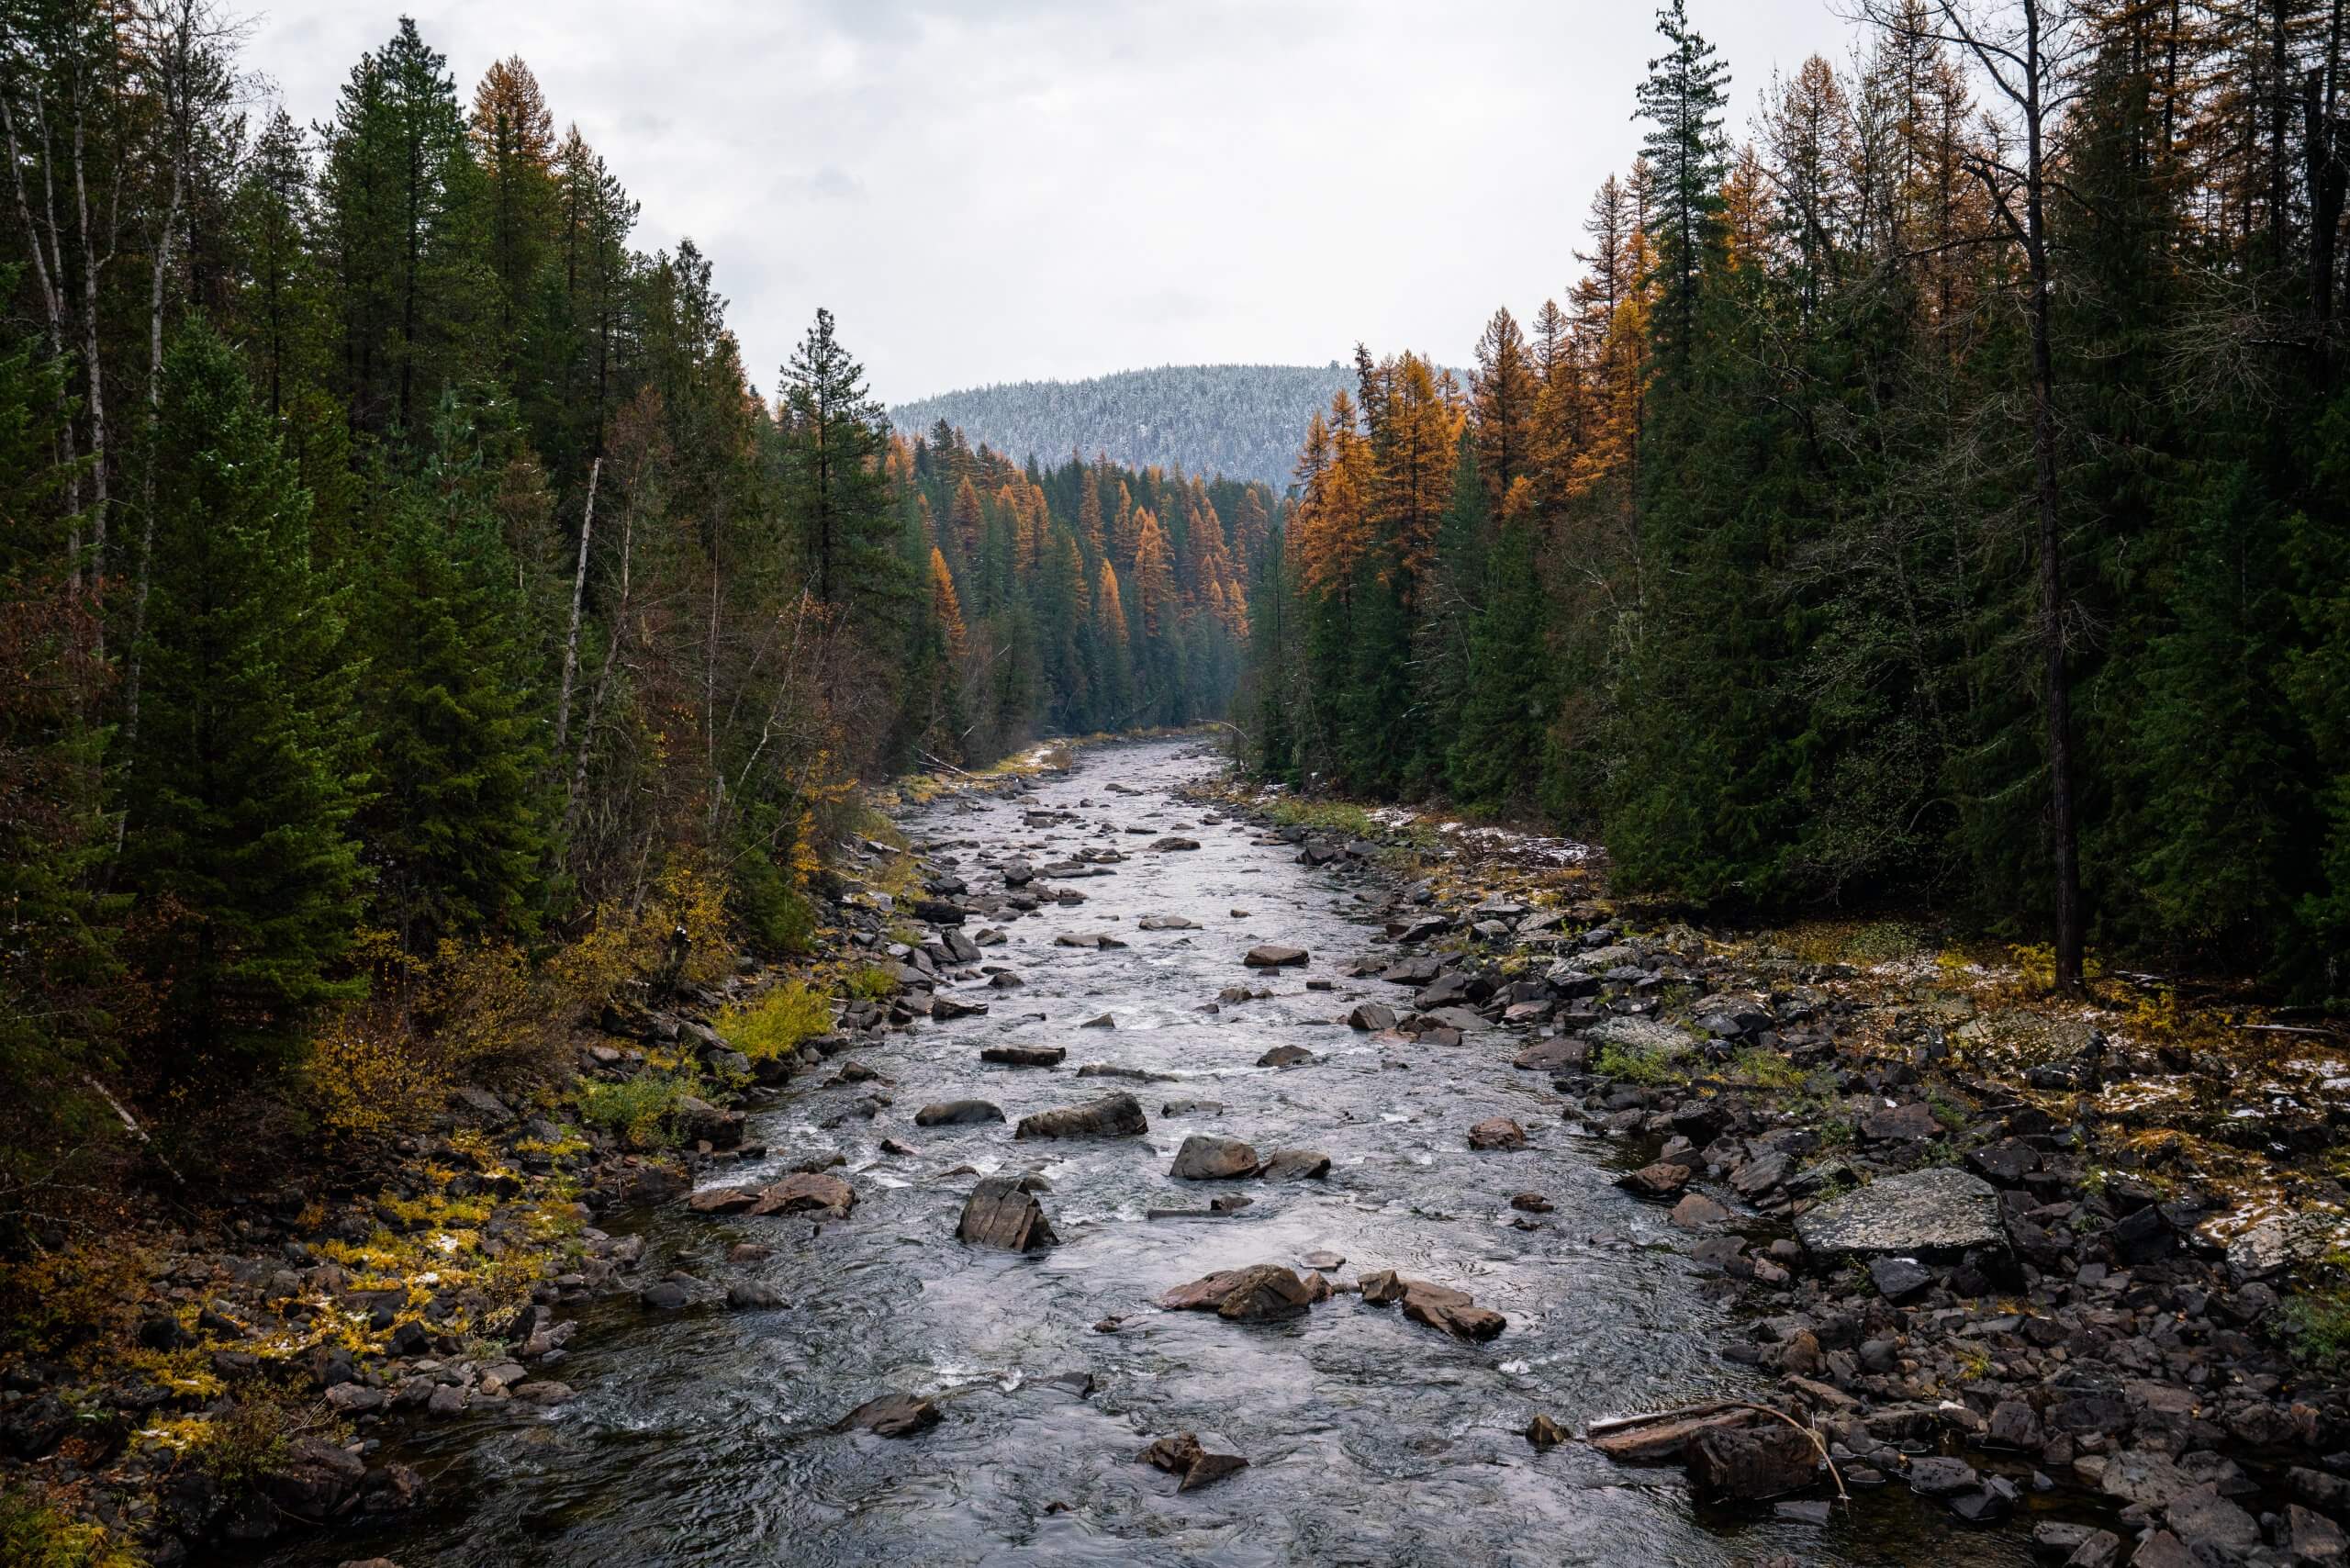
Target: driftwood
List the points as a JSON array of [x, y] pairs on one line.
[[1616, 1426], [131, 1125]]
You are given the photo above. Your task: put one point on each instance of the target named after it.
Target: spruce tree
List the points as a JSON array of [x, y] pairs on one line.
[[457, 828], [239, 796], [834, 485]]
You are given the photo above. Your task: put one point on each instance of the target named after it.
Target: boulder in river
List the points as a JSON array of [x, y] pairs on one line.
[[1372, 1015], [1751, 1462], [1438, 1306], [1258, 1293], [1183, 1455], [1112, 1115], [1206, 1159], [1941, 1209], [1167, 922], [892, 1415], [1274, 956], [1562, 1055], [1002, 1213], [1173, 842], [1499, 1132], [957, 1113], [1025, 1056], [1285, 1056], [1296, 1165], [807, 1192]]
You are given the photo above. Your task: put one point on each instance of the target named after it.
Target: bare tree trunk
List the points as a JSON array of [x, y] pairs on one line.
[[603, 683], [93, 371], [579, 593]]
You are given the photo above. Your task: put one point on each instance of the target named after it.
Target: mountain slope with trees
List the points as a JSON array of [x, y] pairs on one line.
[[1240, 420]]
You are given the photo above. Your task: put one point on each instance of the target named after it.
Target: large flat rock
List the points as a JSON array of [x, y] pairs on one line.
[[1943, 1209]]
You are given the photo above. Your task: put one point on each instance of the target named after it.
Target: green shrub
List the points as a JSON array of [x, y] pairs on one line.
[[1634, 1064], [871, 983], [1760, 1068], [2316, 1328], [641, 1111], [773, 1025]]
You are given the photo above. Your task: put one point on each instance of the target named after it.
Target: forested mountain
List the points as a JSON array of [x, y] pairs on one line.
[[1239, 421], [1944, 492], [402, 578]]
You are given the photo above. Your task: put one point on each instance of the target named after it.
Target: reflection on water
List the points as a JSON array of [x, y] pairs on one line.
[[706, 1438]]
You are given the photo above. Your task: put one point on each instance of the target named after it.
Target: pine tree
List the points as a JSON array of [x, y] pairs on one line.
[[835, 437], [456, 831], [239, 795], [1683, 99]]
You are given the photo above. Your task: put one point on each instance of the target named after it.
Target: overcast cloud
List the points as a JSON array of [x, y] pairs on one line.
[[998, 191]]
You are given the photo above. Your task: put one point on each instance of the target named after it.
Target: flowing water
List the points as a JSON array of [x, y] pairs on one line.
[[707, 1437]]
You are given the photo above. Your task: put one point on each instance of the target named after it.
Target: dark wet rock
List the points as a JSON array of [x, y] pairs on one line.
[[943, 1007], [1025, 1056], [2100, 1549], [1545, 1433], [702, 1122], [1274, 956], [664, 1295], [1898, 1279], [1939, 1210], [892, 1415], [1438, 1306], [1296, 1165], [1112, 1115], [1183, 1455], [1749, 1463], [1933, 1475], [1099, 1021], [1530, 1203], [1206, 1159], [957, 1114], [1661, 1180], [753, 1296], [1497, 1133], [1372, 1015], [312, 1479], [1286, 1056], [1002, 1213]]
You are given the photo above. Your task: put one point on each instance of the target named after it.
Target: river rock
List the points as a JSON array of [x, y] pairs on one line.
[[1167, 922], [1751, 1462], [807, 1192], [1172, 844], [2200, 1515], [1296, 1165], [1001, 1212], [1183, 1455], [943, 1008], [1499, 1132], [1565, 1054], [1026, 1056], [1697, 1212], [892, 1415], [957, 1113], [1258, 1293], [1438, 1306], [1661, 1180], [1112, 1115], [1939, 1210], [1206, 1159], [722, 1200], [1286, 1056], [753, 1296], [1274, 956]]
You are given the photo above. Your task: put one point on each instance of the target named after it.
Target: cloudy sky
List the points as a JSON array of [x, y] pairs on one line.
[[993, 190]]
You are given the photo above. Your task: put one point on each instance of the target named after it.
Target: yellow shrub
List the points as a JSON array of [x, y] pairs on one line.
[[774, 1024], [369, 1076]]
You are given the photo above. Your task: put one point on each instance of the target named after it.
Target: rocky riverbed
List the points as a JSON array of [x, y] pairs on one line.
[[1216, 1190]]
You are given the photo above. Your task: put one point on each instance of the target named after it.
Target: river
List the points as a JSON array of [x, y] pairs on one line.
[[708, 1438]]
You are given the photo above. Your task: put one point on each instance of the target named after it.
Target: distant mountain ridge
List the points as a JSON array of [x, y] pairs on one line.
[[1243, 422]]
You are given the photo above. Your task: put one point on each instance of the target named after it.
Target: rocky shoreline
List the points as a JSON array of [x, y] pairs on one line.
[[1973, 1264]]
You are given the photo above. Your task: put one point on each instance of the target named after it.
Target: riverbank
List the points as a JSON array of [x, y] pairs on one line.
[[1993, 1246], [195, 1367]]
